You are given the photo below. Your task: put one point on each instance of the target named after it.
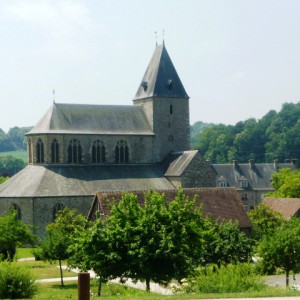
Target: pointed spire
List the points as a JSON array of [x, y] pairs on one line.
[[160, 78]]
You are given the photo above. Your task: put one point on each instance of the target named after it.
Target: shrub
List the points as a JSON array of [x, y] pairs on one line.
[[228, 279], [16, 281]]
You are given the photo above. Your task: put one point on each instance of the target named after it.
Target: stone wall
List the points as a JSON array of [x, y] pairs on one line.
[[140, 147], [38, 211]]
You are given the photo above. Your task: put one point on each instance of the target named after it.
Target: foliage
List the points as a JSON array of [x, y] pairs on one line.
[[17, 136], [158, 241], [282, 248], [196, 129], [13, 233], [274, 136], [226, 243], [16, 281], [10, 165], [264, 221], [286, 183], [59, 235], [3, 179], [236, 278]]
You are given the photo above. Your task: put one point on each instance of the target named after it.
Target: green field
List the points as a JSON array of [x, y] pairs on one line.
[[22, 154]]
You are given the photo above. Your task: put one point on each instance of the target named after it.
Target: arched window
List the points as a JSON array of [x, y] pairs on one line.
[[74, 152], [98, 152], [29, 151], [40, 151], [15, 207], [56, 208], [54, 151], [122, 152]]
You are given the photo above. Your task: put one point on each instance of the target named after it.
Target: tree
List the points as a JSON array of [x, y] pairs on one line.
[[3, 179], [155, 241], [13, 233], [264, 221], [226, 243], [282, 248], [10, 165], [59, 236], [287, 184]]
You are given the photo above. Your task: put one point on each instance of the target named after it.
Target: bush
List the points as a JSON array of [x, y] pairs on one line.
[[16, 282], [228, 279]]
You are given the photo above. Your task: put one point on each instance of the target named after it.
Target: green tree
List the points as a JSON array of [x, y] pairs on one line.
[[10, 165], [3, 179], [282, 248], [286, 183], [226, 243], [13, 233], [157, 241], [59, 236], [264, 221]]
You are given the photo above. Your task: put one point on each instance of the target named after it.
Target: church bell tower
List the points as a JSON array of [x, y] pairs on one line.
[[166, 105]]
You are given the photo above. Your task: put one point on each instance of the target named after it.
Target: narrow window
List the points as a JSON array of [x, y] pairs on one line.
[[57, 207], [121, 152], [40, 151], [171, 109], [74, 152], [98, 152], [54, 151], [16, 208], [29, 151]]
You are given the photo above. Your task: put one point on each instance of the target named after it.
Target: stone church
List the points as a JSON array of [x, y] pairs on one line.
[[76, 150]]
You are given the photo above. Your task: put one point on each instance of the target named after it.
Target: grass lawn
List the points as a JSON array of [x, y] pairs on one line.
[[24, 252], [22, 154]]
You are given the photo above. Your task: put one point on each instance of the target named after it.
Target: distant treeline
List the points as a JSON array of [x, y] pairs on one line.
[[13, 140], [275, 136]]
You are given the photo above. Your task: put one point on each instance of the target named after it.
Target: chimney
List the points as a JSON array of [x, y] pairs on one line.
[[235, 163], [251, 163], [275, 164]]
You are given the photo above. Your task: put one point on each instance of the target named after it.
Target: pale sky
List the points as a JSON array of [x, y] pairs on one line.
[[236, 58]]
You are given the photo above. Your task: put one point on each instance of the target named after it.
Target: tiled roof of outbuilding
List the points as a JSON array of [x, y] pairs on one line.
[[223, 204], [93, 119], [288, 207], [160, 78]]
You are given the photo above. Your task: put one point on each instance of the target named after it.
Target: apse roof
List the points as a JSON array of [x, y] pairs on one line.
[[93, 119], [160, 78]]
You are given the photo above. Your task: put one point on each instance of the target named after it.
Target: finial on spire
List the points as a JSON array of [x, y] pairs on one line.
[[163, 36], [53, 96], [155, 32]]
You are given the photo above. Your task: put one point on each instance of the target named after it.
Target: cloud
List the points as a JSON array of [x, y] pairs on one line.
[[238, 76]]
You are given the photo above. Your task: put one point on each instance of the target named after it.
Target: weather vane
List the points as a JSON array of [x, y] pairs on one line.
[[155, 32], [53, 96]]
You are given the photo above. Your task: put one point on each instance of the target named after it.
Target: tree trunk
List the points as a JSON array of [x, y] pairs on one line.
[[61, 274], [287, 279], [148, 284], [99, 286]]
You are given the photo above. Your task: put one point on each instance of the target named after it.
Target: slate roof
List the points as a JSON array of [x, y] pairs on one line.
[[48, 181], [223, 204], [93, 119], [258, 175], [178, 162], [288, 207], [160, 78]]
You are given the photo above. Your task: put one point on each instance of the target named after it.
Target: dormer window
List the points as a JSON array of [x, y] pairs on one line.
[[170, 84], [144, 85], [222, 182], [243, 183]]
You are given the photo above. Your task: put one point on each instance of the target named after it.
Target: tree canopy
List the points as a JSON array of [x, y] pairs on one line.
[[155, 241], [281, 249], [286, 184], [274, 136]]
